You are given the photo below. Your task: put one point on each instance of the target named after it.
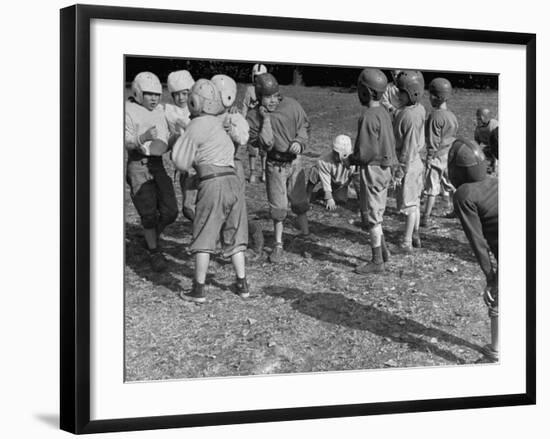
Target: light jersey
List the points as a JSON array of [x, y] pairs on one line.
[[177, 118], [236, 126], [482, 134], [375, 142], [138, 119], [441, 129], [409, 133], [331, 172], [390, 99], [249, 101], [205, 142], [289, 123]]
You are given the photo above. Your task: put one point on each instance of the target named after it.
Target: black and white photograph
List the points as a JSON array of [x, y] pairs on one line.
[[275, 219], [288, 218]]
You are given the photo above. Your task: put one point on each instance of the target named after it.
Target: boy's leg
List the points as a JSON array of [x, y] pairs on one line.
[[253, 154], [202, 259], [263, 159], [449, 209], [276, 177], [144, 196], [297, 195], [209, 217], [234, 231], [278, 231], [447, 190], [363, 196], [340, 193], [376, 265], [430, 202], [376, 181], [410, 226], [491, 350], [416, 234], [432, 189], [409, 202], [241, 284], [143, 191], [494, 331], [150, 236], [238, 261], [303, 224], [312, 182], [188, 195], [166, 199]]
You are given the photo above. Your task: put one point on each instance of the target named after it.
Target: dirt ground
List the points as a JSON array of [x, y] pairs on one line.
[[310, 313]]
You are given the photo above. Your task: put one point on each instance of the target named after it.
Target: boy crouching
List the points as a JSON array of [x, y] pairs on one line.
[[333, 173]]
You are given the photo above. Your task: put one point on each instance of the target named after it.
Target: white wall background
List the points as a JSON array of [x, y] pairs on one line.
[[29, 249]]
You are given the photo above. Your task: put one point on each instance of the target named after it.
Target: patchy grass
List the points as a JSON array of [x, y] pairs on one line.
[[311, 312]]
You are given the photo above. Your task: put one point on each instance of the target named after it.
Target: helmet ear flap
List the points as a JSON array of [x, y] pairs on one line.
[[227, 98], [195, 104], [137, 93], [364, 94]]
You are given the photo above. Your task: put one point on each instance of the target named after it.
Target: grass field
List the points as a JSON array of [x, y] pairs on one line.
[[310, 313]]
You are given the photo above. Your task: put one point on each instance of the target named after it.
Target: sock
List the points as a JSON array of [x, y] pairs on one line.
[[377, 255]]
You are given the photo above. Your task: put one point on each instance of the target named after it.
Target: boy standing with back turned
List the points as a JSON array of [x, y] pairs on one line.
[[374, 152], [409, 141]]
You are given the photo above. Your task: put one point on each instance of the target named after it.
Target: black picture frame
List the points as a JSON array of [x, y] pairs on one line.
[[75, 217]]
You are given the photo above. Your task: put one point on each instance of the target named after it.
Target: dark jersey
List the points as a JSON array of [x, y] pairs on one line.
[[375, 143], [476, 205], [289, 124]]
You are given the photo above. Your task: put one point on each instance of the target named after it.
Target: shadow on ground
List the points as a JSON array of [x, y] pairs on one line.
[[337, 309], [180, 262]]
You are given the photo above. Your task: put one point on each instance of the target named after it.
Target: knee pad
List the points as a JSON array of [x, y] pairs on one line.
[[168, 217], [278, 214], [313, 177], [371, 225], [409, 210], [300, 208]]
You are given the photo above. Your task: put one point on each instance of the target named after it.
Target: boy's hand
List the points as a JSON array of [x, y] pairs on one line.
[[264, 114], [150, 134], [142, 149], [181, 123], [227, 125], [398, 175], [295, 148], [330, 204], [490, 295]]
